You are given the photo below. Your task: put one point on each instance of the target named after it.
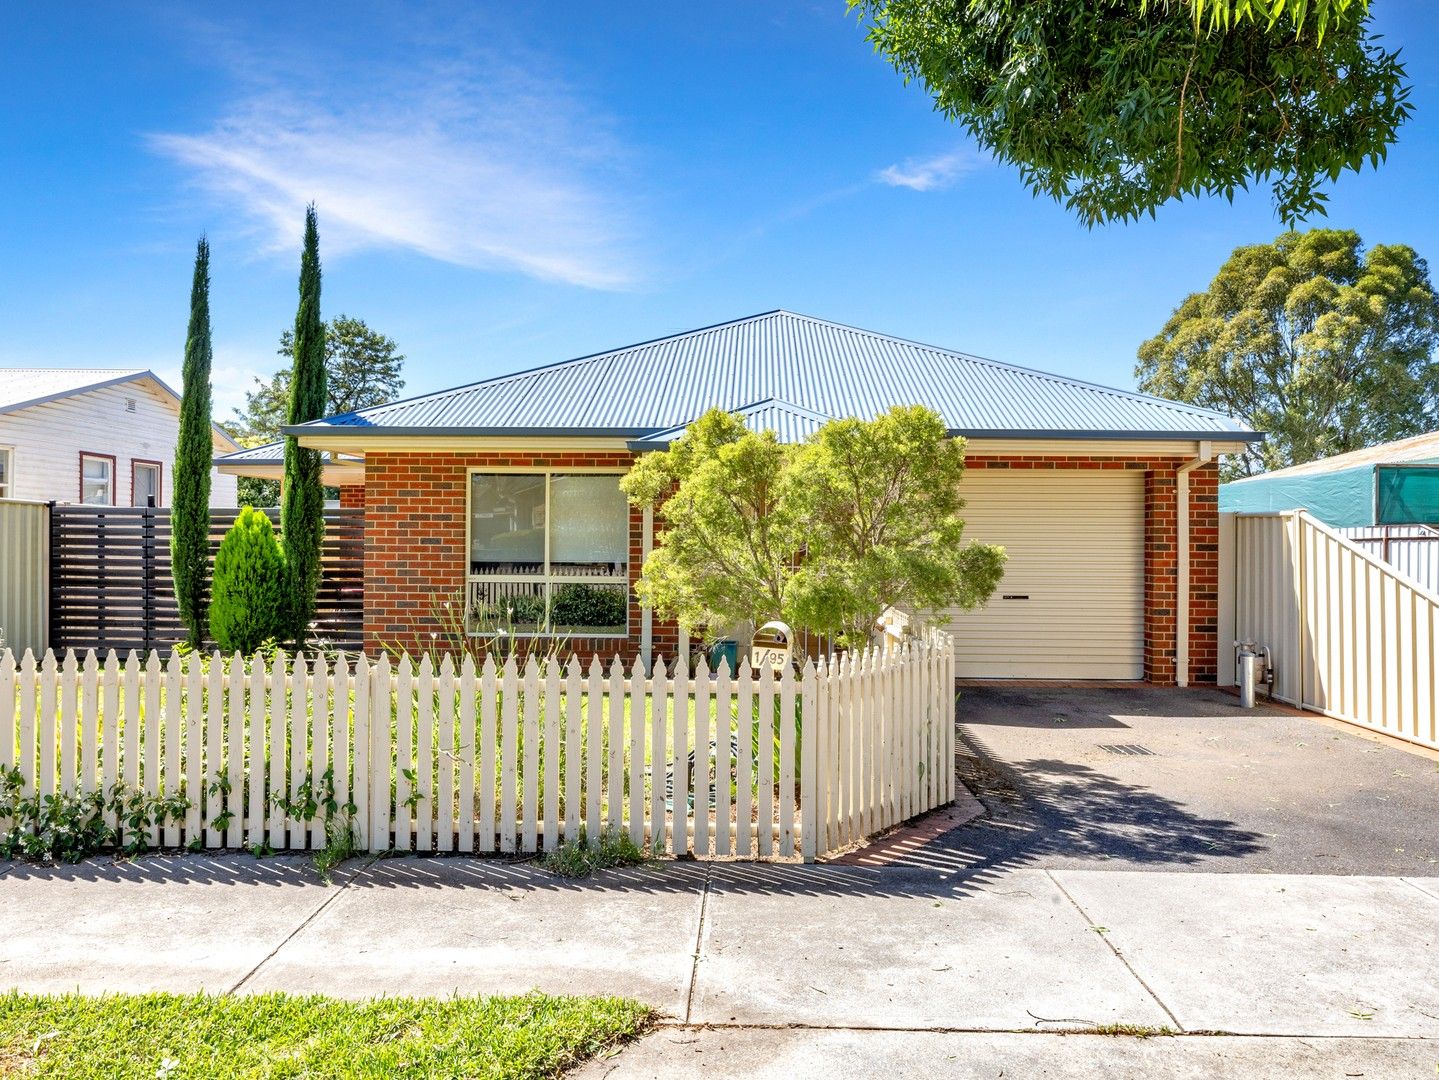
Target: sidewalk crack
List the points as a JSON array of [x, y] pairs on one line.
[[699, 942], [1421, 888], [1115, 950], [334, 895]]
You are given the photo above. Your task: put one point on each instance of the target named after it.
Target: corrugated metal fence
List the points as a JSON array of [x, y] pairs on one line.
[[1350, 636], [24, 573], [1413, 550]]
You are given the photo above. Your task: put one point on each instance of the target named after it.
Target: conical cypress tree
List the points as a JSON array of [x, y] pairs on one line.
[[190, 507], [302, 503]]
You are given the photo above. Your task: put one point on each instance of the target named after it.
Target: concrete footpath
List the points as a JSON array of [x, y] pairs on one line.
[[794, 970]]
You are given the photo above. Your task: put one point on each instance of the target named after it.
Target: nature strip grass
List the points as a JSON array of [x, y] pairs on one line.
[[176, 1036]]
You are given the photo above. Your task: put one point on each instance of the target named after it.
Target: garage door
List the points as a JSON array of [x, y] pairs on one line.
[[1071, 602]]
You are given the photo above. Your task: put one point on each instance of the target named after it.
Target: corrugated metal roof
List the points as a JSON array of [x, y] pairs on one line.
[[789, 422], [1416, 449], [270, 454], [808, 364], [23, 387]]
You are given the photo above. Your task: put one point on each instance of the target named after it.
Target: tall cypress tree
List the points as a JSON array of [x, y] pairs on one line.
[[190, 510], [302, 503]]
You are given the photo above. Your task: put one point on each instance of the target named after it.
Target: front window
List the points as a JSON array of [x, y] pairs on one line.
[[97, 480], [145, 482], [549, 553], [7, 471]]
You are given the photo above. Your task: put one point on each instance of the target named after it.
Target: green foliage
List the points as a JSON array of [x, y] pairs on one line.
[[1223, 15], [1114, 107], [825, 536], [302, 507], [362, 368], [589, 606], [732, 524], [340, 843], [187, 1037], [66, 827], [579, 858], [247, 606], [882, 501], [1311, 338], [194, 453]]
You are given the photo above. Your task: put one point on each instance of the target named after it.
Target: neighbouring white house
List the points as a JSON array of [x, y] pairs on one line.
[[102, 436]]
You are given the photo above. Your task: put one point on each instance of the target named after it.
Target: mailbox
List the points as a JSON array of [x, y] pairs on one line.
[[772, 647]]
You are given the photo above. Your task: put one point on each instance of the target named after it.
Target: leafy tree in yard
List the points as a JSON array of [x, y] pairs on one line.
[[302, 506], [826, 535], [362, 368], [248, 604], [1114, 107], [194, 451], [1322, 344]]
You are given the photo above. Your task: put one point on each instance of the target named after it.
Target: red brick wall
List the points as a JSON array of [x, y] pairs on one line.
[[1161, 558], [415, 557], [352, 496], [415, 545]]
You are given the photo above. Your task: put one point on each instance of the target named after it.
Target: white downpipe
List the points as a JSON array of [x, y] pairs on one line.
[[1181, 630]]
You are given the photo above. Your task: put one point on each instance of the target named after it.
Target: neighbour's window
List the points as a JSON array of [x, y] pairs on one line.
[[7, 472], [549, 553], [145, 482], [97, 479]]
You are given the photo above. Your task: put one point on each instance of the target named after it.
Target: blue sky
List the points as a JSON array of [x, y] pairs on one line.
[[518, 185]]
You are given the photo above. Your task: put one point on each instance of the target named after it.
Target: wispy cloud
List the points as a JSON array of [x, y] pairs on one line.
[[463, 158], [930, 174]]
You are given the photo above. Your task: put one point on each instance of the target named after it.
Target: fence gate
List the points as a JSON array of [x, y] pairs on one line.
[[110, 585]]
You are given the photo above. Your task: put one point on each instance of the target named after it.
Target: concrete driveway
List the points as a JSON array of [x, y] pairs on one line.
[[1183, 780]]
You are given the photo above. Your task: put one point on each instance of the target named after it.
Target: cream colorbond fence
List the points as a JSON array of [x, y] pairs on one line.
[[485, 758], [1350, 636]]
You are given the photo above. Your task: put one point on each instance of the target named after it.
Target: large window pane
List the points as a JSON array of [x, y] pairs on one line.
[[589, 527], [581, 609], [506, 607], [507, 523]]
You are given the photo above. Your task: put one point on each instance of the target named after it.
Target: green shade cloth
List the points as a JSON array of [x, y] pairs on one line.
[[1407, 494]]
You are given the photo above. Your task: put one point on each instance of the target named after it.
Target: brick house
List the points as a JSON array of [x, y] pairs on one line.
[[502, 495]]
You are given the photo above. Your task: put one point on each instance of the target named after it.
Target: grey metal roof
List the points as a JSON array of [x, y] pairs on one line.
[[807, 364], [271, 454], [789, 422]]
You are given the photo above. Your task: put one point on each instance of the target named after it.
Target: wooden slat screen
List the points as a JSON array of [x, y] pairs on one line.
[[110, 584]]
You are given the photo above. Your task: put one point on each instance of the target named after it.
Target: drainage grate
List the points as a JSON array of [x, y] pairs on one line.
[[1127, 749]]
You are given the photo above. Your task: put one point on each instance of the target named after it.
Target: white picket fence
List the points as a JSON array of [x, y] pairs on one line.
[[485, 758], [1350, 636]]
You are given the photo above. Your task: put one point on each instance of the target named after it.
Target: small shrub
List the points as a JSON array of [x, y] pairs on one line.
[[590, 605], [247, 602], [69, 827], [577, 859]]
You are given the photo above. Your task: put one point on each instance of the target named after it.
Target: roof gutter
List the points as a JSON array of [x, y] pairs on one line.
[[1181, 630]]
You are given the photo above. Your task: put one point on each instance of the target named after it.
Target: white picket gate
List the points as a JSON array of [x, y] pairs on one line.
[[486, 758]]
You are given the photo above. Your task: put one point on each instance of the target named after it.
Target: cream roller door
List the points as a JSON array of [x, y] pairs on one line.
[[1071, 605]]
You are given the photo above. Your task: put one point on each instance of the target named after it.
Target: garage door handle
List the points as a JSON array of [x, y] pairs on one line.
[[1015, 596]]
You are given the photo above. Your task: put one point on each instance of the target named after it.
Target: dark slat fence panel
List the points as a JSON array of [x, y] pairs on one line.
[[110, 584]]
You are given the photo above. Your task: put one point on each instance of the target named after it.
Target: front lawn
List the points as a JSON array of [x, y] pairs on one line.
[[172, 1036]]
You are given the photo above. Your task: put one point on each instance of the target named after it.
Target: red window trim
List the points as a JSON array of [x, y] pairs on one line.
[[80, 470], [159, 484]]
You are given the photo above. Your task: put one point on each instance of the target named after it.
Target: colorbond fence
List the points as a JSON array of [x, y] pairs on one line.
[[1350, 636], [495, 758]]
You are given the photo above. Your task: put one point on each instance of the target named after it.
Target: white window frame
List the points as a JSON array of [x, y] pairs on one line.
[[546, 579], [136, 464], [7, 479], [108, 459]]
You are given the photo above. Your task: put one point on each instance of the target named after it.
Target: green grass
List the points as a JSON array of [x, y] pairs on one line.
[[170, 1037], [577, 859]]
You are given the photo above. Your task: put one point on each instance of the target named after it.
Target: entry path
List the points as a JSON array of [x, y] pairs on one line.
[[757, 963]]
